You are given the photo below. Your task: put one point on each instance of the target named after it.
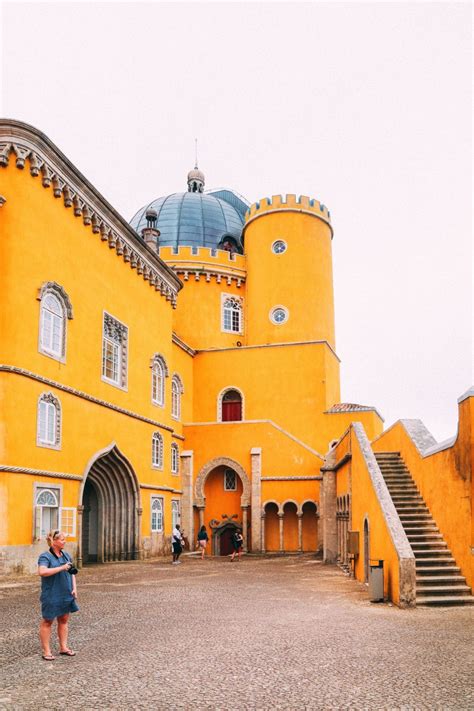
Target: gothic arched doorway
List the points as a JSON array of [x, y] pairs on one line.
[[110, 511]]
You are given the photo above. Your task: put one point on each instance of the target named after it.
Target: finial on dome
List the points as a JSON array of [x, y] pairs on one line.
[[196, 177]]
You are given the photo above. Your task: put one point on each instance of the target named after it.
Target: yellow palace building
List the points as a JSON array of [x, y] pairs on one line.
[[183, 367]]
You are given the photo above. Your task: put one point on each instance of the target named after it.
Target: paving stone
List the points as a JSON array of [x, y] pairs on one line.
[[266, 633]]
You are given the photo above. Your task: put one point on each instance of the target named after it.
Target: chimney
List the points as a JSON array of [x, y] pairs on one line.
[[149, 233]]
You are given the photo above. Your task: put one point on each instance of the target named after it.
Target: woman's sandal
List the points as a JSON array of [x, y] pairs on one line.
[[48, 657], [68, 653]]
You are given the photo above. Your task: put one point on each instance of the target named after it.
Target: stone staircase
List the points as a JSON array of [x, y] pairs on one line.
[[438, 578]]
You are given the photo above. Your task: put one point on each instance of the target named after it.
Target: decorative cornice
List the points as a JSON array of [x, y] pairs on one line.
[[154, 487], [272, 345], [208, 274], [79, 393], [291, 478], [39, 472], [175, 435], [179, 342], [45, 159]]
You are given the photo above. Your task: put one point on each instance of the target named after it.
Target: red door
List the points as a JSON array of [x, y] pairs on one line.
[[226, 547], [232, 406]]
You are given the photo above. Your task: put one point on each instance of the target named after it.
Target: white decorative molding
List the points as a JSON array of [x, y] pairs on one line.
[[38, 472], [45, 159], [222, 462]]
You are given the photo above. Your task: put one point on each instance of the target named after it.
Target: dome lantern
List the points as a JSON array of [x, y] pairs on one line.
[[196, 180]]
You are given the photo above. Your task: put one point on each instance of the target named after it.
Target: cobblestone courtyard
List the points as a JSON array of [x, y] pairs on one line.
[[283, 633]]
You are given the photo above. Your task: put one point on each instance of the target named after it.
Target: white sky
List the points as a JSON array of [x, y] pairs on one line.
[[366, 106]]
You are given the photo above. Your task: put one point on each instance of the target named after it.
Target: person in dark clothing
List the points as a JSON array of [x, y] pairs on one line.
[[237, 542], [202, 540]]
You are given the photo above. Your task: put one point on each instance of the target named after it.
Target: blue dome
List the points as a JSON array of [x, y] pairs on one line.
[[194, 219]]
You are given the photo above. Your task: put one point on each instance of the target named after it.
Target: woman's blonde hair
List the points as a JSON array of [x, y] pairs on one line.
[[52, 535]]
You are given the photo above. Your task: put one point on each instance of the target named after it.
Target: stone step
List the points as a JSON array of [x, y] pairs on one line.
[[442, 590], [418, 535], [445, 600], [433, 561], [402, 490], [432, 552], [426, 580], [428, 545], [419, 517], [431, 570]]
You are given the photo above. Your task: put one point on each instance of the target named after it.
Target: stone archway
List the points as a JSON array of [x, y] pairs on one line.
[[200, 498], [109, 510]]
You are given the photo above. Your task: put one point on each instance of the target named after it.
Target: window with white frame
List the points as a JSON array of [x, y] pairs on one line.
[[156, 514], [174, 459], [55, 309], [230, 480], [175, 514], [50, 516], [158, 373], [48, 431], [176, 392], [157, 450], [231, 316], [114, 351]]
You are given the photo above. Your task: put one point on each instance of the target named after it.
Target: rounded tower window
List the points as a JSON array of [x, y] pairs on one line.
[[279, 315], [279, 246]]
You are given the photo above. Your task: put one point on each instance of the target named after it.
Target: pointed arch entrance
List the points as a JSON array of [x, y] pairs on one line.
[[109, 521]]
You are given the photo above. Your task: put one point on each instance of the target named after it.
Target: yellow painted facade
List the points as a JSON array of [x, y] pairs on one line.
[[185, 380]]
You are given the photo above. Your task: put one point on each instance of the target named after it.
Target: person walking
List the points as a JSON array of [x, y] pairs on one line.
[[58, 594], [177, 543], [237, 542], [202, 540]]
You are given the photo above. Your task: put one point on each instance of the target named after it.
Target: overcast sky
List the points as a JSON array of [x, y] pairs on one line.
[[365, 106]]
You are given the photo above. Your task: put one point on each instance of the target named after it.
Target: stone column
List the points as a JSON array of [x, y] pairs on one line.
[[262, 537], [245, 526], [138, 553], [187, 519], [280, 522], [201, 515], [256, 471], [329, 517], [80, 511], [300, 532]]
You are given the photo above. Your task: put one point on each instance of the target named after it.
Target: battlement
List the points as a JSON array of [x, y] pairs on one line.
[[288, 203], [209, 256]]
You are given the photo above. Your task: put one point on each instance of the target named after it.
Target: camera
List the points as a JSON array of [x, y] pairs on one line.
[[72, 570]]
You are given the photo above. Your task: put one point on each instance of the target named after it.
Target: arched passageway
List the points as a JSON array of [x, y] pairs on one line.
[[109, 504], [290, 527], [271, 528], [309, 526]]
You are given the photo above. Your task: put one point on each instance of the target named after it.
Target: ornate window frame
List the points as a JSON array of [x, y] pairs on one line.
[[60, 294], [227, 472], [115, 332], [220, 398], [175, 512], [279, 241], [158, 391], [156, 519], [157, 451], [174, 459], [176, 391], [232, 306], [273, 310], [52, 403]]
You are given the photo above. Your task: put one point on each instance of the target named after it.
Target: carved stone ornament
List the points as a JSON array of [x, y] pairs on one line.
[[45, 161], [60, 292]]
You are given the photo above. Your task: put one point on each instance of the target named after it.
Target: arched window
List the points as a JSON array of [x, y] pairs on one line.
[[158, 373], [175, 514], [176, 392], [231, 320], [231, 408], [48, 433], [157, 450], [55, 308], [156, 514], [46, 511], [174, 459]]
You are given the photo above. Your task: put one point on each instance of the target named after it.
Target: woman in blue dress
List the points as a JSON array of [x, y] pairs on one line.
[[58, 594]]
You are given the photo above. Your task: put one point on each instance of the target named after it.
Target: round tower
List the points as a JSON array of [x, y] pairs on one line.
[[289, 289]]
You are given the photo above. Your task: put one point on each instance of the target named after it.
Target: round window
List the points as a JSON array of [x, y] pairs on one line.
[[279, 246], [279, 315]]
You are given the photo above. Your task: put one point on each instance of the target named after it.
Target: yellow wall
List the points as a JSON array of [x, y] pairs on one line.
[[299, 279], [294, 401], [444, 485]]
